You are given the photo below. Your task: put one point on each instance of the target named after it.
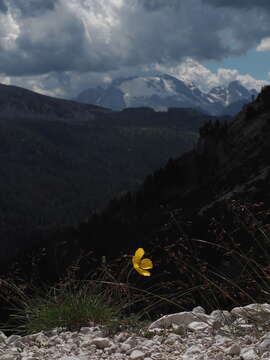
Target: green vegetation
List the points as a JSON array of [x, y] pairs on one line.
[[68, 308], [70, 305]]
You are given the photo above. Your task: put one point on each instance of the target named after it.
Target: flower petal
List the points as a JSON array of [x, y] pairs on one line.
[[136, 260], [142, 271], [146, 264], [135, 263], [139, 253]]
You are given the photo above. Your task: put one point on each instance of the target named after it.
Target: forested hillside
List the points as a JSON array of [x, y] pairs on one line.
[[61, 160]]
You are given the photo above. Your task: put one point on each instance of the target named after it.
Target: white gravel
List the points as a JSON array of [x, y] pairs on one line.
[[239, 335]]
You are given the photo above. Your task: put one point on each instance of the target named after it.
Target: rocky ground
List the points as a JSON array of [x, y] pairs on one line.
[[241, 334]]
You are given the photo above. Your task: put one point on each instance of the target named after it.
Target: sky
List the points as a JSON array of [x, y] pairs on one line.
[[61, 47]]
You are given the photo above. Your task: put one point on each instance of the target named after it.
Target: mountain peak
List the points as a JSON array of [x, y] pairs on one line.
[[237, 86], [162, 91], [235, 83]]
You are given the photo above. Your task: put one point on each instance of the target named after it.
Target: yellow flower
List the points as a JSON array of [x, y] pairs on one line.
[[141, 265]]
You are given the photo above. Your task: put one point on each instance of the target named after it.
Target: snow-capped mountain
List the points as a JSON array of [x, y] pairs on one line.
[[233, 93], [165, 91]]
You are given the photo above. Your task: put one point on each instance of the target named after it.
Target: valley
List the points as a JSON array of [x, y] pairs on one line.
[[62, 160]]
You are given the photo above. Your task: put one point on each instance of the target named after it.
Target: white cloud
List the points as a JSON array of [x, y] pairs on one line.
[[192, 71], [264, 45], [250, 82], [9, 32], [65, 85], [4, 79]]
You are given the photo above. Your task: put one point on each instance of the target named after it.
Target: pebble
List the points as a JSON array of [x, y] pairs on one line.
[[199, 339], [137, 355]]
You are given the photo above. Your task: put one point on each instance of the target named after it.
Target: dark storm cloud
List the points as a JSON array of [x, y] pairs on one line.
[[39, 52], [173, 30], [32, 7], [240, 3], [154, 5], [248, 22], [3, 6], [212, 32]]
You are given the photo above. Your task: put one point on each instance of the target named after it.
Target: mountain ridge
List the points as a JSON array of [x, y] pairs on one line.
[[18, 101], [164, 91]]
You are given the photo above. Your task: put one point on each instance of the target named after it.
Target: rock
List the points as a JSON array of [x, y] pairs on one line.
[[264, 346], [215, 326], [248, 340], [13, 339], [172, 339], [132, 341], [193, 352], [266, 335], [234, 350], [219, 356], [125, 347], [80, 357], [148, 343], [223, 317], [101, 343], [3, 337], [182, 318], [196, 326], [41, 339], [137, 355], [179, 329], [86, 330], [249, 354], [198, 310], [253, 312], [8, 357], [122, 336]]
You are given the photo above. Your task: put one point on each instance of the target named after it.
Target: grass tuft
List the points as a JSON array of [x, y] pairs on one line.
[[69, 308]]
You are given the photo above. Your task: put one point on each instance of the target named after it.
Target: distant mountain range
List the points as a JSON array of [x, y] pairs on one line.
[[164, 91]]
